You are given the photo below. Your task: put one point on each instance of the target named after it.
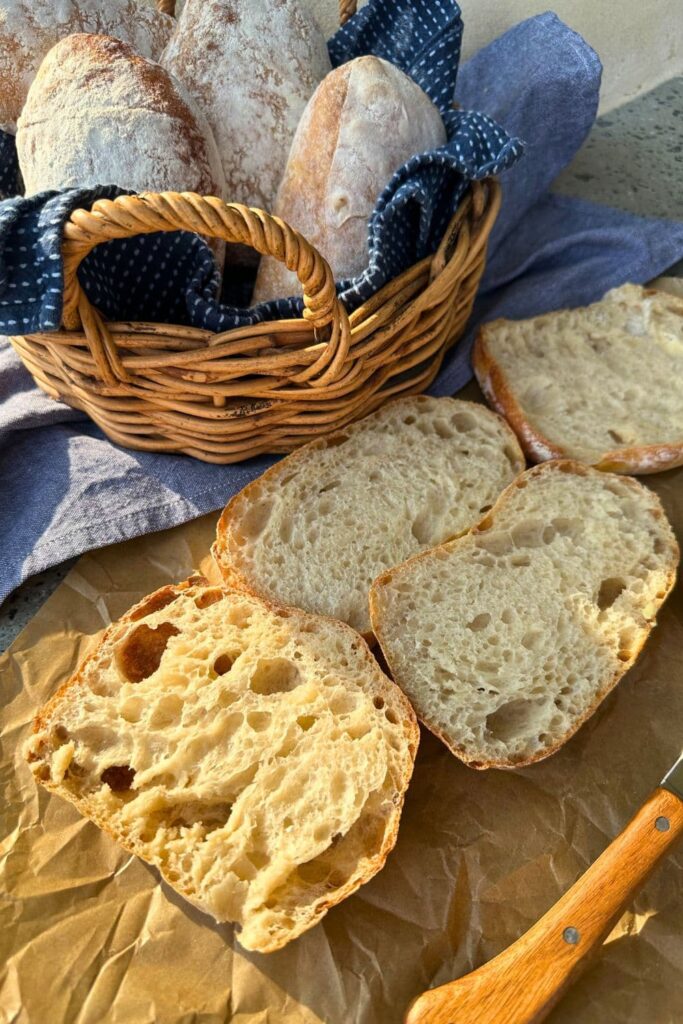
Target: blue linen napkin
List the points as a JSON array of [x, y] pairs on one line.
[[64, 488]]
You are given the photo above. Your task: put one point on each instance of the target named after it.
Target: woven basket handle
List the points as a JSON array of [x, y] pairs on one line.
[[127, 216], [347, 8]]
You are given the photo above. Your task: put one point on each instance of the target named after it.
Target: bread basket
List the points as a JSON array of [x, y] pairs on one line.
[[272, 386]]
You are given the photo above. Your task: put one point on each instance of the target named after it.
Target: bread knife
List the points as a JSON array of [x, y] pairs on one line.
[[523, 983]]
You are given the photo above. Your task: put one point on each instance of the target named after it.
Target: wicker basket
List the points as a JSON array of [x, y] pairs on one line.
[[272, 386]]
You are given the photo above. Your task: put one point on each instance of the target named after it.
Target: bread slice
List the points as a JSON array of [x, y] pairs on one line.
[[257, 756], [602, 384], [507, 639], [316, 529]]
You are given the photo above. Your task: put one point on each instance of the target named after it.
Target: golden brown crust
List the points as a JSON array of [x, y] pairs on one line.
[[567, 466], [380, 686], [639, 459], [499, 395]]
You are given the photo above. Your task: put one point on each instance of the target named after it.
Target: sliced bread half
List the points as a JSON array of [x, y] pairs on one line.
[[316, 529], [507, 639], [602, 384], [257, 756]]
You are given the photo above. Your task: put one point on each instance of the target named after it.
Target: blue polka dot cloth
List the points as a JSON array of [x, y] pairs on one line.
[[172, 278], [10, 178]]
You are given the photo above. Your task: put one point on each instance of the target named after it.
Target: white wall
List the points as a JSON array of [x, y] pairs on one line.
[[640, 42]]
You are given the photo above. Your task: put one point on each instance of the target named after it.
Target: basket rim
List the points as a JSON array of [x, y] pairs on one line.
[[250, 390], [486, 195]]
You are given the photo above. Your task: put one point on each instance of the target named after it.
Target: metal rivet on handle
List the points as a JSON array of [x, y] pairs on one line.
[[662, 824], [571, 935]]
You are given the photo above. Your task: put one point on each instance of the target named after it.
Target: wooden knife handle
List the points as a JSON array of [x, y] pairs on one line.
[[523, 983]]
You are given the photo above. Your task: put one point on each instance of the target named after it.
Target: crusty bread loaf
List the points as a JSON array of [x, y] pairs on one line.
[[362, 123], [602, 384], [251, 68], [257, 756], [317, 528], [507, 639], [98, 114], [29, 28]]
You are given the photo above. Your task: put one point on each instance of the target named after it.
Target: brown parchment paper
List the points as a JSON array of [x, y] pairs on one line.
[[89, 934]]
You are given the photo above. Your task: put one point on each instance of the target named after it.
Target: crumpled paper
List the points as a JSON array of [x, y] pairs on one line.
[[90, 935]]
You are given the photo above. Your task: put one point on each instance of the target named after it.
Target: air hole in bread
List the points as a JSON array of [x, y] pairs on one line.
[[496, 543], [531, 639], [119, 777], [520, 561], [131, 709], [463, 422], [659, 547], [485, 508], [59, 735], [243, 869], [379, 703], [258, 858], [609, 591], [140, 654], [315, 871], [567, 526], [254, 521], [226, 697], [486, 668], [329, 486], [224, 663], [506, 616], [528, 533], [274, 675], [194, 812], [154, 604], [258, 720], [548, 535], [512, 719], [443, 430], [306, 722], [343, 704], [616, 437], [479, 622], [391, 716], [374, 831], [167, 711], [423, 527], [209, 597], [336, 441], [409, 420], [511, 455], [357, 730], [238, 615]]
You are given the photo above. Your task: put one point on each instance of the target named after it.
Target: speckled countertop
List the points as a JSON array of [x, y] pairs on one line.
[[631, 160]]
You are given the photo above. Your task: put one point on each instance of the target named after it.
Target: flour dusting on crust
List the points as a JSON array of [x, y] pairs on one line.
[[30, 28]]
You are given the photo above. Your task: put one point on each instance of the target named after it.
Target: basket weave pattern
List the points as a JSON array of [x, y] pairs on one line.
[[268, 387]]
